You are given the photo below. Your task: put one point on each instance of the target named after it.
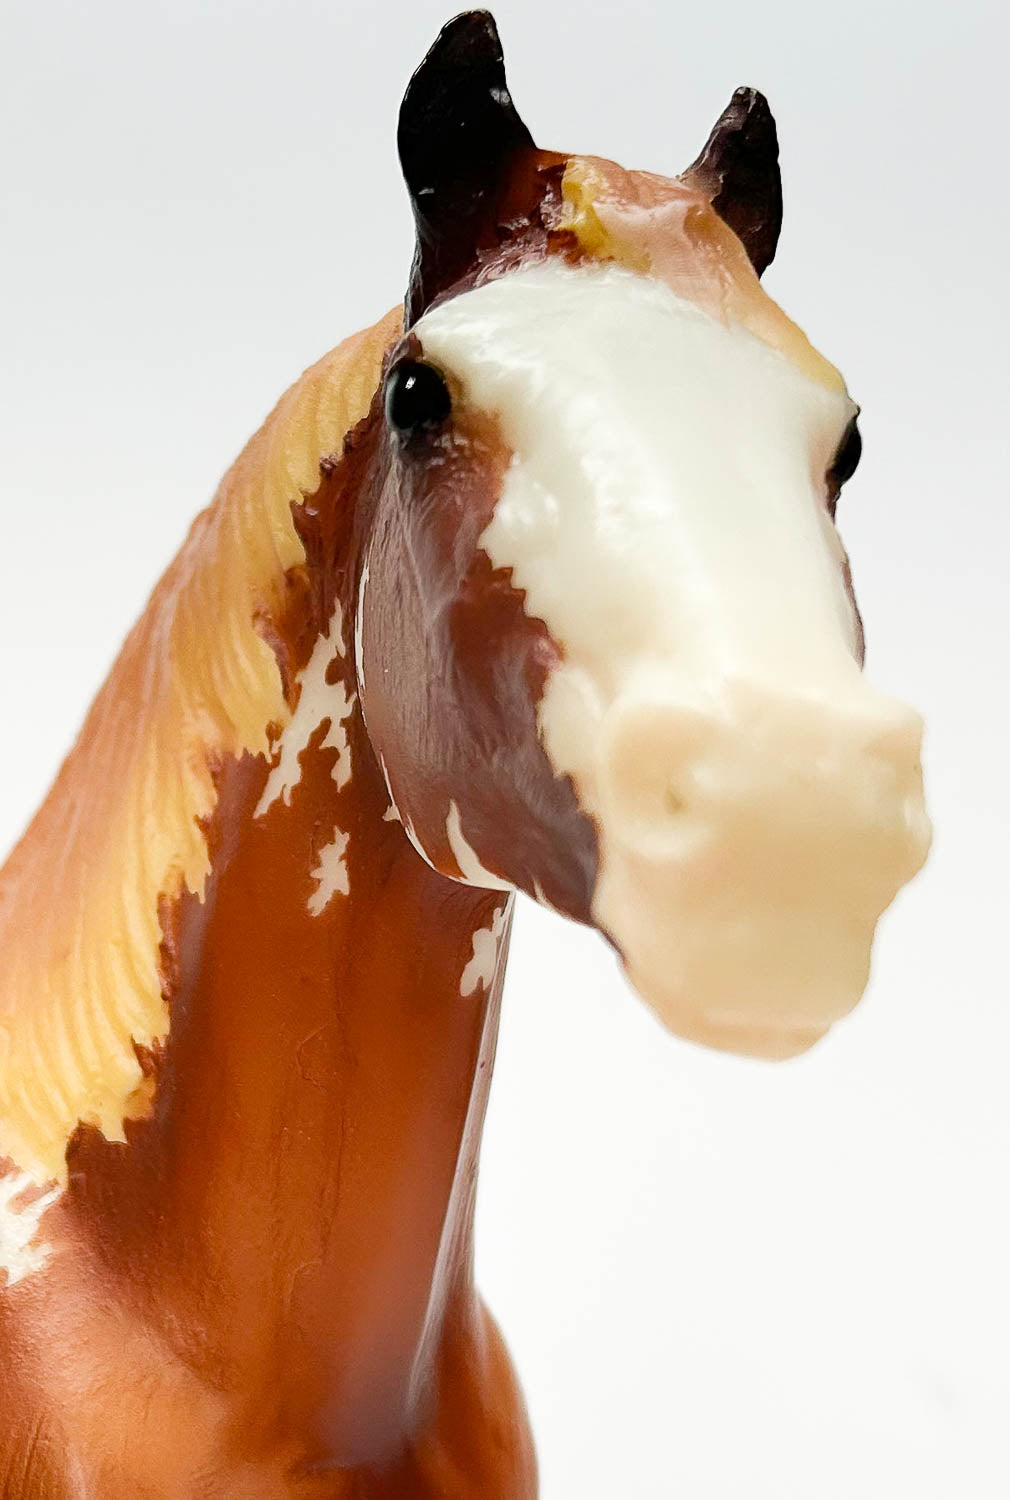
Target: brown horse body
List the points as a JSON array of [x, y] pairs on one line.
[[255, 939]]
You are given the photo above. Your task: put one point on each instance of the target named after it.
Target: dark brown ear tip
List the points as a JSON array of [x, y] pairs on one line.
[[457, 135], [468, 39], [752, 100], [468, 43], [739, 170], [748, 121], [473, 27], [457, 102], [760, 120]]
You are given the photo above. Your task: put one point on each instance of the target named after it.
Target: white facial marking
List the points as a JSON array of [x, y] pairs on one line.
[[480, 970], [666, 467], [471, 869], [318, 700], [19, 1256], [472, 872], [757, 803]]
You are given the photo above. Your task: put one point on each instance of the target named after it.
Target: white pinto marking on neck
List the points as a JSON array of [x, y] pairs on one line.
[[19, 1256], [480, 970], [757, 803], [330, 873], [318, 701]]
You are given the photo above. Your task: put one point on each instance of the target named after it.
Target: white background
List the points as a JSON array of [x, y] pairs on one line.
[[719, 1279]]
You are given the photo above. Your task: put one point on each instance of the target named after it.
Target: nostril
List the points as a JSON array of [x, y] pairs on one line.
[[674, 802], [650, 755]]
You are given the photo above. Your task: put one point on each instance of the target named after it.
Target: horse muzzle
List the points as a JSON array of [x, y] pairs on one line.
[[748, 847]]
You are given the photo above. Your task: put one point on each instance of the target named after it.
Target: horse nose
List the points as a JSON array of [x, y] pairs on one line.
[[757, 771], [748, 846], [653, 756]]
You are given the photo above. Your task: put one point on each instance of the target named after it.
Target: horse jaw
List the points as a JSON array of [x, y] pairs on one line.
[[757, 803]]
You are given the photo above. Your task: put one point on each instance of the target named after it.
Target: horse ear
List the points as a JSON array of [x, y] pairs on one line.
[[457, 135], [739, 172]]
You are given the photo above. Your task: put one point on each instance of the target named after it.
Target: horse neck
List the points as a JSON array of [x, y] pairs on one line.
[[285, 1195], [310, 1149], [311, 1154]]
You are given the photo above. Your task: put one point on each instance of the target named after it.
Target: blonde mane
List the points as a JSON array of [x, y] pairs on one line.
[[121, 832]]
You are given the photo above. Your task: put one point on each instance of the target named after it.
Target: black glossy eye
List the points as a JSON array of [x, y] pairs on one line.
[[416, 397], [845, 461]]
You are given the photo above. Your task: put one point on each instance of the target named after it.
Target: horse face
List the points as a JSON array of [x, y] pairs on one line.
[[606, 521]]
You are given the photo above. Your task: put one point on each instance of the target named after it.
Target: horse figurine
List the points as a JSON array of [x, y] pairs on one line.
[[532, 586]]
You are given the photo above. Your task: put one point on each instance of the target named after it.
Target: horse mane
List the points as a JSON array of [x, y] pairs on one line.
[[122, 832]]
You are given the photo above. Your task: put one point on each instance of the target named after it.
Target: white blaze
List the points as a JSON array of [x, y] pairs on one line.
[[664, 499], [664, 512]]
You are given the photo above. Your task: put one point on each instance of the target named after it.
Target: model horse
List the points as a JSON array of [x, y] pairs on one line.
[[534, 587]]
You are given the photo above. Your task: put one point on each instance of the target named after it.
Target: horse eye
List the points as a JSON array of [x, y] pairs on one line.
[[845, 461], [416, 397]]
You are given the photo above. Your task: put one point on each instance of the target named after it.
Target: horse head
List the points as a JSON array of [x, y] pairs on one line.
[[608, 650]]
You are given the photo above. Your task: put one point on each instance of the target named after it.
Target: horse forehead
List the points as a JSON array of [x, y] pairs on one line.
[[547, 343], [668, 234], [668, 229]]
